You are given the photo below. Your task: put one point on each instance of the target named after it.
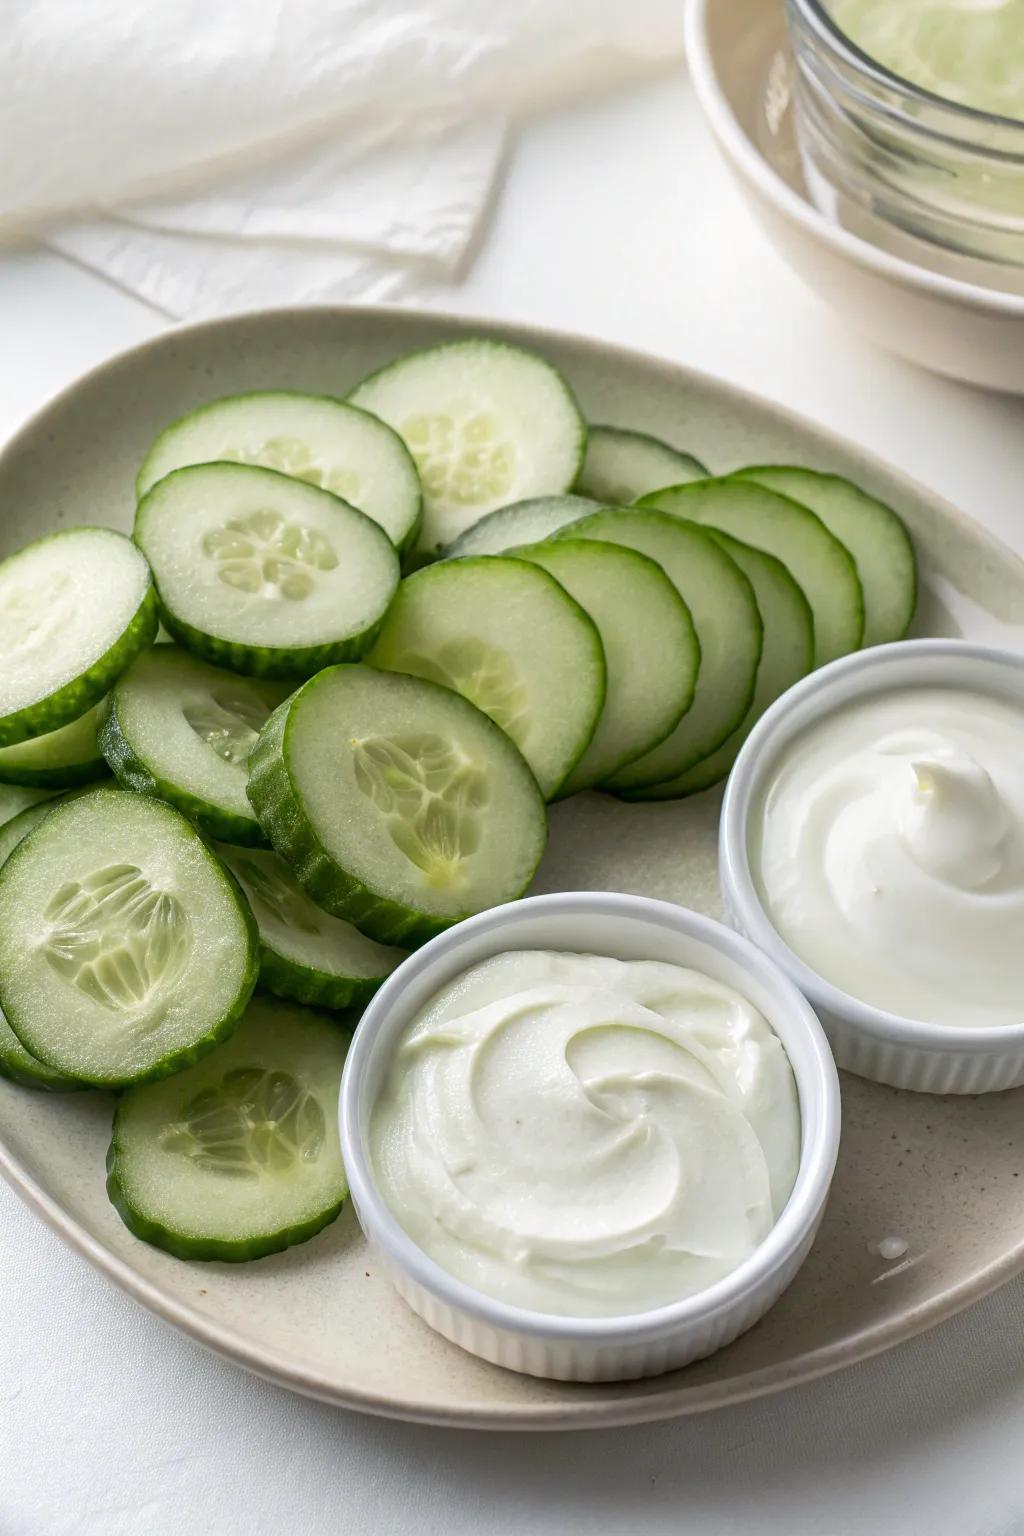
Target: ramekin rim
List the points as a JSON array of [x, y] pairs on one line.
[[739, 889], [817, 1087]]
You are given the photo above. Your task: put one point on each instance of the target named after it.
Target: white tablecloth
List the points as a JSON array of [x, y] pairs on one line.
[[617, 220]]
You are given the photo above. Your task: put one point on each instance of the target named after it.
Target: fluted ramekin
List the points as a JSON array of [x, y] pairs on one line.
[[905, 1053], [604, 1348]]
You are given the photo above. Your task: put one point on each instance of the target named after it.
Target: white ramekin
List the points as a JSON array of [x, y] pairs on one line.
[[615, 1348], [931, 1058]]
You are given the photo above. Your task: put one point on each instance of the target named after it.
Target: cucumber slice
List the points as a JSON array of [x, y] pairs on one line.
[[621, 465], [126, 950], [510, 639], [399, 806], [261, 573], [14, 799], [873, 534], [238, 1156], [18, 1066], [786, 656], [75, 608], [305, 953], [487, 423], [721, 604], [326, 442], [820, 565], [182, 730], [651, 665], [60, 759], [524, 522]]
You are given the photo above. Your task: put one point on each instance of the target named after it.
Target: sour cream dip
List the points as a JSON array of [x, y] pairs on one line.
[[586, 1136], [888, 852]]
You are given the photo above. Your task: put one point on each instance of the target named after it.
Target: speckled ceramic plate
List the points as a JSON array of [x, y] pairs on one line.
[[939, 1174]]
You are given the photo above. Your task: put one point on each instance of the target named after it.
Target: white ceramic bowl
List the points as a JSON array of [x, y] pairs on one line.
[[613, 1348], [931, 1058], [739, 58]]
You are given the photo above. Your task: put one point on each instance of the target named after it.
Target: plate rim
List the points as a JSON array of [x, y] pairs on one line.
[[592, 1411]]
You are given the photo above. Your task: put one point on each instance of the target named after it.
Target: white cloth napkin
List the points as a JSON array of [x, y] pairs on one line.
[[212, 156]]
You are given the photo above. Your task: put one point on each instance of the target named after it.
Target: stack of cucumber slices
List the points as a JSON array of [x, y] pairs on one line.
[[214, 849]]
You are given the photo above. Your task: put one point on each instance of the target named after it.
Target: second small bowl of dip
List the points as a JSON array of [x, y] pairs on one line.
[[872, 843], [563, 1344]]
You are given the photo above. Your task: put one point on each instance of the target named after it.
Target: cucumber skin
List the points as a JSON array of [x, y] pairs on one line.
[[46, 1080], [73, 776], [67, 703], [131, 773], [206, 1249], [282, 818], [316, 988], [295, 664], [176, 1061]]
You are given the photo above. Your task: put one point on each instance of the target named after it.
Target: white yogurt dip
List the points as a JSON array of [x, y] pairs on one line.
[[586, 1136], [888, 851]]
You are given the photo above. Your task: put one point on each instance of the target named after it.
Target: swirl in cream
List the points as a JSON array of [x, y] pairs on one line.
[[587, 1136], [889, 853]]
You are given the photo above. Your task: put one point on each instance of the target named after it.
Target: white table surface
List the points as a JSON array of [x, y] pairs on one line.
[[617, 219]]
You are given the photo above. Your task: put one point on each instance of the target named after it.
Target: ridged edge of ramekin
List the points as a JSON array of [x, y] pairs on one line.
[[868, 1041]]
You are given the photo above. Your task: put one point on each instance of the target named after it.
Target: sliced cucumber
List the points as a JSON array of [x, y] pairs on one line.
[[75, 608], [18, 1066], [62, 758], [399, 806], [182, 730], [724, 612], [305, 953], [621, 465], [325, 442], [510, 639], [261, 573], [238, 1156], [871, 531], [524, 522], [786, 656], [820, 565], [487, 423], [126, 951], [14, 799], [651, 653]]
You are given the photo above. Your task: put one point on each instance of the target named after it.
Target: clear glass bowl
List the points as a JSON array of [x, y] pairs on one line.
[[877, 148]]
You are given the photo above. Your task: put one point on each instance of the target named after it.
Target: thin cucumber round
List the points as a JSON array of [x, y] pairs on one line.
[[19, 1066], [16, 798], [487, 423], [75, 608], [820, 565], [399, 806], [871, 531], [305, 953], [182, 730], [621, 465], [126, 950], [238, 1156], [261, 573], [328, 443], [721, 604], [511, 639], [786, 655], [61, 759], [650, 651], [524, 522]]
